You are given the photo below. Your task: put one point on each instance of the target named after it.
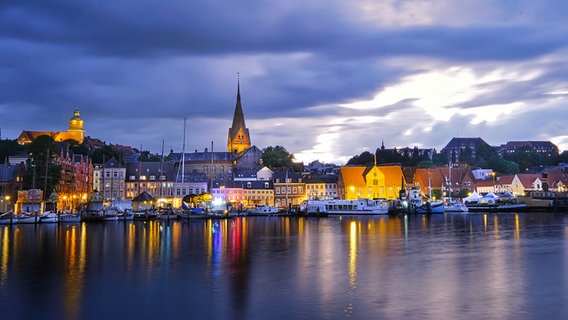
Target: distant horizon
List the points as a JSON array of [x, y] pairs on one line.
[[167, 150]]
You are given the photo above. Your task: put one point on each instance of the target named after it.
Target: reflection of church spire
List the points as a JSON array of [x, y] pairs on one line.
[[239, 138]]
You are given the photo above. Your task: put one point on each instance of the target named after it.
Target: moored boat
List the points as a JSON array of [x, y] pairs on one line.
[[69, 217], [347, 207], [455, 207], [263, 210], [48, 217], [416, 204]]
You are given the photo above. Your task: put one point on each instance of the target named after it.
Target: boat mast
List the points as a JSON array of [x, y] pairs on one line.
[[183, 153], [450, 178], [211, 188]]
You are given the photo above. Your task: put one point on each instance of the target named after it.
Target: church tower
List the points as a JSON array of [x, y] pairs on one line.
[[239, 138], [76, 131]]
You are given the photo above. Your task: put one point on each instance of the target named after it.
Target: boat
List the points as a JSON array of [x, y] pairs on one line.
[[416, 204], [167, 215], [455, 206], [6, 217], [48, 217], [263, 210], [360, 206], [25, 217], [69, 217]]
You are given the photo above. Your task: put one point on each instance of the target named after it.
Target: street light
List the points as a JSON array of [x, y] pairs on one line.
[[7, 198]]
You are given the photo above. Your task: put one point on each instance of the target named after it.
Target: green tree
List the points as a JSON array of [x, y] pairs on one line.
[[277, 157], [42, 173], [104, 154], [9, 148], [364, 159]]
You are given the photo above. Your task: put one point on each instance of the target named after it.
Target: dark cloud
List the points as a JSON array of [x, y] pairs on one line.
[[135, 69]]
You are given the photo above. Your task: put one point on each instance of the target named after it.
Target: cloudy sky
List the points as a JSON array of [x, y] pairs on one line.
[[326, 79]]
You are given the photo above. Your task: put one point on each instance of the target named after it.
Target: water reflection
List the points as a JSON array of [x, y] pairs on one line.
[[5, 256], [457, 266]]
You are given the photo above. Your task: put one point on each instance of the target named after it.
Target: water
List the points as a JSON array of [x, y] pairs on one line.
[[453, 266]]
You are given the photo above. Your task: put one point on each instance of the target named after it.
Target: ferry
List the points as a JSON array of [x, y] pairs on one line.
[[347, 207]]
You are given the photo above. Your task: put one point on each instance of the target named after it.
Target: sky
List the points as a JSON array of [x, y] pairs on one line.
[[325, 79]]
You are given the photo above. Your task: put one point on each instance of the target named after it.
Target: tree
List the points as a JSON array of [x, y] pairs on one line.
[[104, 154], [10, 148], [364, 159], [41, 172], [277, 157]]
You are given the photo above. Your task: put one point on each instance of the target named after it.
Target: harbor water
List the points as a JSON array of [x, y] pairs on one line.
[[446, 266]]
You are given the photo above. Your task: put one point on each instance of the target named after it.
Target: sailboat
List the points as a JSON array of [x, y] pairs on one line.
[[453, 205], [418, 205]]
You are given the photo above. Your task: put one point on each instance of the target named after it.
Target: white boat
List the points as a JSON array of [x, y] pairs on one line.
[[69, 217], [455, 207], [263, 210], [48, 217], [347, 207], [5, 217], [417, 205], [25, 217]]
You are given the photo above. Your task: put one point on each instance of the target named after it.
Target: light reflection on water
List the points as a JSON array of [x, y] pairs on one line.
[[453, 266]]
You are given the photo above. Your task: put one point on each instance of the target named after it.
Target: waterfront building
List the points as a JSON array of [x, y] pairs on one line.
[[438, 178], [155, 178], [76, 180], [289, 188], [74, 132], [11, 180], [110, 180], [193, 183], [321, 186], [230, 193], [256, 193], [370, 182], [216, 166]]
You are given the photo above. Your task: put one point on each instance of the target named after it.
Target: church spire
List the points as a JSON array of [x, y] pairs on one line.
[[239, 138]]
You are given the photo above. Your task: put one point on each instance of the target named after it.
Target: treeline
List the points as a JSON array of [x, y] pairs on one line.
[[522, 160]]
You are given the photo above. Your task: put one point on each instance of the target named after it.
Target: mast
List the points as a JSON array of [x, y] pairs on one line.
[[161, 171], [210, 189], [45, 179], [450, 178], [183, 152]]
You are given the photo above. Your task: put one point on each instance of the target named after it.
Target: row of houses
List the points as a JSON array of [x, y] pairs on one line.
[[242, 181]]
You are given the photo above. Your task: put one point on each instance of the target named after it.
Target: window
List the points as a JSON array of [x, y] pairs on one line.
[[277, 190], [249, 184], [266, 185]]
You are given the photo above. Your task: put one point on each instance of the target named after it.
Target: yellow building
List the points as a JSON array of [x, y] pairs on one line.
[[74, 132], [369, 182]]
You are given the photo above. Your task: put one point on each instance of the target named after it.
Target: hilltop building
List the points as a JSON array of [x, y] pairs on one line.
[[459, 148], [541, 147], [74, 132]]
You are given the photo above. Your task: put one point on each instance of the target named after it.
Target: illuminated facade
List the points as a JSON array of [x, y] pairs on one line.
[[74, 132], [369, 182], [239, 137], [109, 179]]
